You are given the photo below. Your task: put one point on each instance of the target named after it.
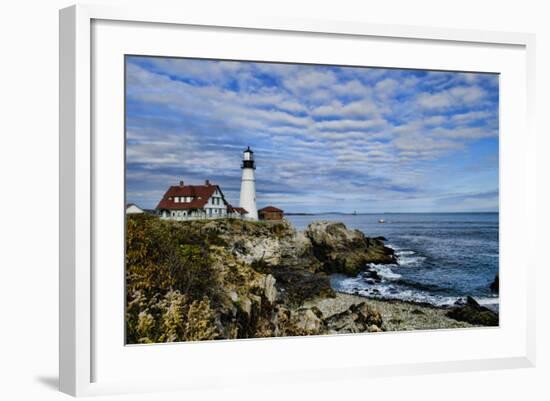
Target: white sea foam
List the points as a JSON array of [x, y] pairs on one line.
[[386, 272], [411, 261], [407, 258], [387, 290], [405, 253], [488, 301], [492, 303]]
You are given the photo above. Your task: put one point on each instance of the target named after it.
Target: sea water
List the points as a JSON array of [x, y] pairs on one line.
[[442, 257]]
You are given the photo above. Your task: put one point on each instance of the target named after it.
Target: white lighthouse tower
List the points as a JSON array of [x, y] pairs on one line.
[[248, 185]]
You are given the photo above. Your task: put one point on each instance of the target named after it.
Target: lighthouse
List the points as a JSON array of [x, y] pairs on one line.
[[248, 185]]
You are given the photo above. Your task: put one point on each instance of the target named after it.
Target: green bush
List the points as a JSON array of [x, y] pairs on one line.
[[170, 281]]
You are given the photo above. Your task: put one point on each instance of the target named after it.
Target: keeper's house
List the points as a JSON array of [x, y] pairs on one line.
[[270, 213], [193, 202]]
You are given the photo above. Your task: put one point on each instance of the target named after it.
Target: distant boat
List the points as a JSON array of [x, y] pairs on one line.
[[381, 221], [355, 212]]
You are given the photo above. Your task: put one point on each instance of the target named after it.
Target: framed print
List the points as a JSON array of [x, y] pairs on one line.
[[235, 192]]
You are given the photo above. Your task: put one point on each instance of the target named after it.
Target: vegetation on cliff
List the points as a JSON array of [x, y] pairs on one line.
[[219, 279]]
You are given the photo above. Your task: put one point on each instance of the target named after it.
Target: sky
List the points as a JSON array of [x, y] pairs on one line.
[[325, 138]]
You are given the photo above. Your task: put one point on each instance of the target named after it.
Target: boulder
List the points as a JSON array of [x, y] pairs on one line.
[[301, 322], [473, 313], [357, 319]]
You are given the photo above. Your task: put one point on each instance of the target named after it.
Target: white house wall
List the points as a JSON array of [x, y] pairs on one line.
[[133, 209], [218, 209]]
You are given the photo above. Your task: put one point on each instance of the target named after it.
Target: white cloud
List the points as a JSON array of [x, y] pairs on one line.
[[344, 125], [386, 88], [308, 80], [471, 116], [360, 108], [453, 97], [434, 120]]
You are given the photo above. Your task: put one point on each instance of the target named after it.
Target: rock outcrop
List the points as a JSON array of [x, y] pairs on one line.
[[300, 261], [472, 312], [345, 251], [251, 279], [495, 284]]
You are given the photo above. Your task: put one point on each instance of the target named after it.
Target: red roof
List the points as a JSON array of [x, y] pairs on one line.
[[240, 210], [270, 209], [199, 193]]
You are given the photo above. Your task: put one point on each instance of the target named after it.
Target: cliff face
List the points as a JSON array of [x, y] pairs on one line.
[[324, 246], [228, 278]]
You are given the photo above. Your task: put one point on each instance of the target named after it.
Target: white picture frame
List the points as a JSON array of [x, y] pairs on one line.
[[81, 341]]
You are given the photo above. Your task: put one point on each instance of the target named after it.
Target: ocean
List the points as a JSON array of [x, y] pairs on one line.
[[442, 257]]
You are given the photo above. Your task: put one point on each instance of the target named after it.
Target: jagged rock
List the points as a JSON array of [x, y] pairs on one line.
[[495, 284], [358, 318], [245, 305], [307, 322], [374, 329], [345, 251], [327, 246], [474, 313], [270, 291]]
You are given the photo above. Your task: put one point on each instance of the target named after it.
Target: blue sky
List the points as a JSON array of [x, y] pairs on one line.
[[325, 138]]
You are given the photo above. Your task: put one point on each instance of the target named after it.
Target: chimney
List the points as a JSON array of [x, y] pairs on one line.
[[207, 182], [181, 183]]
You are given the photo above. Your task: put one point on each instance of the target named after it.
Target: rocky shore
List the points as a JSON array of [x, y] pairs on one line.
[[223, 279], [396, 315]]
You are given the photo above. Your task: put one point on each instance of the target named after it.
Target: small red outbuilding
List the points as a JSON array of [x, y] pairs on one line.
[[270, 213]]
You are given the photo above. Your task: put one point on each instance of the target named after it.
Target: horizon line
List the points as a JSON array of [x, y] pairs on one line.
[[362, 213]]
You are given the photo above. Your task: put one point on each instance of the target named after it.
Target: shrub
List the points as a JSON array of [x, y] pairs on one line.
[[201, 322], [170, 279]]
